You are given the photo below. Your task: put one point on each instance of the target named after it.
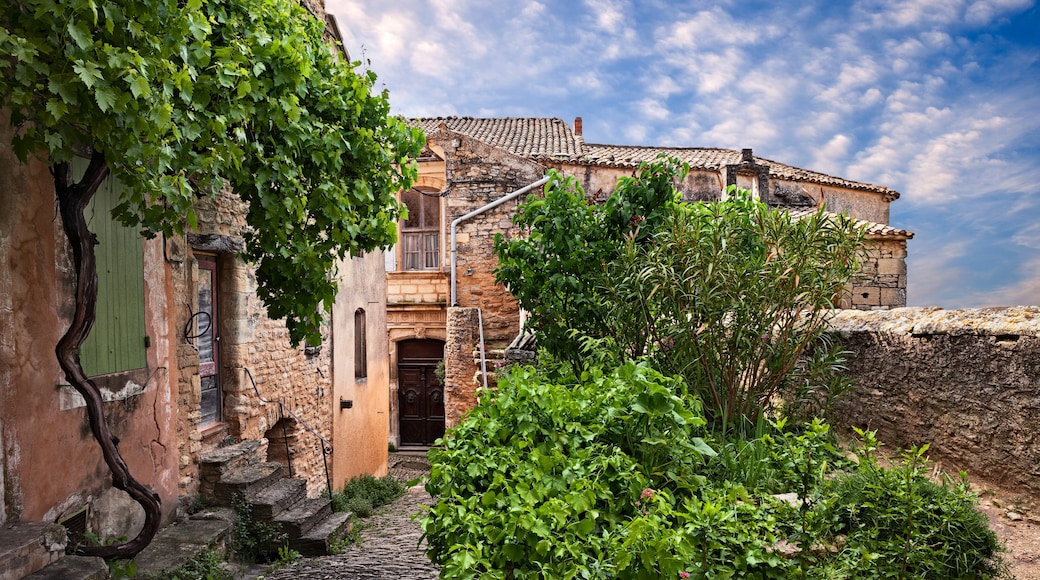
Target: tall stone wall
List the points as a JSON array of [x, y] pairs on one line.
[[965, 381], [479, 175], [299, 377]]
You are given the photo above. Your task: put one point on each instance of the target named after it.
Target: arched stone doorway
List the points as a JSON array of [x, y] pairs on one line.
[[420, 392]]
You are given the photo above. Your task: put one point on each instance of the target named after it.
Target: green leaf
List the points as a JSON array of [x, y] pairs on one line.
[[80, 33]]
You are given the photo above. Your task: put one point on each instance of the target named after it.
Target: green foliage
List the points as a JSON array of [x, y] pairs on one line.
[[900, 524], [253, 540], [186, 98], [206, 565], [614, 475], [556, 270], [731, 295], [363, 494]]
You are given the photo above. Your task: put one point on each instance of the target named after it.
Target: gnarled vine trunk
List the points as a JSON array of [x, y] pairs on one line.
[[72, 200]]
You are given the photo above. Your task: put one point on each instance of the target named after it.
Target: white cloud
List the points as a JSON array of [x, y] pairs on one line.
[[985, 11], [1029, 237], [608, 14], [653, 109], [712, 29], [830, 158]]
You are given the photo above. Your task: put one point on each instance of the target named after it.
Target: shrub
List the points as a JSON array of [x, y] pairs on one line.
[[597, 477], [363, 494], [615, 475]]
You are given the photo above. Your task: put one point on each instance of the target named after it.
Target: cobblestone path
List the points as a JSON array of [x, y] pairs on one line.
[[389, 544]]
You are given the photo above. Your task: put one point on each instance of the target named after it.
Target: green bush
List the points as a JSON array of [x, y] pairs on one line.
[[599, 477], [615, 475], [363, 494], [900, 524]]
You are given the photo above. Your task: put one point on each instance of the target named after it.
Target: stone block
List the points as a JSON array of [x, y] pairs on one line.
[[891, 267], [866, 296]]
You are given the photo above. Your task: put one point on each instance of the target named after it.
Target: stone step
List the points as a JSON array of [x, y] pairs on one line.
[[178, 543], [278, 497], [320, 538], [215, 464], [246, 482], [73, 568], [299, 520], [28, 547]]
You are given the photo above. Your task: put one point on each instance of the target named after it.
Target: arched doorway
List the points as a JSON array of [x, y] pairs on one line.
[[420, 393]]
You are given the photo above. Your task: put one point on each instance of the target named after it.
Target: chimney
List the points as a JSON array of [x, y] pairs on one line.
[[577, 126], [747, 156]]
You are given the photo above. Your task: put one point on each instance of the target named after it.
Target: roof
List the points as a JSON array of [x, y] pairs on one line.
[[551, 139], [873, 229], [533, 137], [714, 159]]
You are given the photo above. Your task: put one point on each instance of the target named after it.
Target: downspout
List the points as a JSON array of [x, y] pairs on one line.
[[454, 253]]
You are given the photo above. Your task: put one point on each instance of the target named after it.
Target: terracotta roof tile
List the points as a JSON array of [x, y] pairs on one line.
[[714, 159], [533, 137], [873, 228]]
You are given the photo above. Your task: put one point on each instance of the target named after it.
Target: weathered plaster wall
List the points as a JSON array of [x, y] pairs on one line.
[[299, 378], [967, 381], [51, 463], [361, 432]]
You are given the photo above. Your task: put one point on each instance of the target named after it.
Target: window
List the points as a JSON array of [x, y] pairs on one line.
[[360, 346], [420, 233], [117, 342]]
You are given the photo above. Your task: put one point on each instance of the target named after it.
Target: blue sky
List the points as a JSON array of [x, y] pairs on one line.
[[937, 99]]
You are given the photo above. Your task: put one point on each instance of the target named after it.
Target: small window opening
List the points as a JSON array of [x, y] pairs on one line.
[[360, 345]]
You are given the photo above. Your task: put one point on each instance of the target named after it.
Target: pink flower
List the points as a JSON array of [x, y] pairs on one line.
[[684, 574], [647, 493]]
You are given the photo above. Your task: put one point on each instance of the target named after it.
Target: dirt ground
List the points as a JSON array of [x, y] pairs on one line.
[[1015, 518]]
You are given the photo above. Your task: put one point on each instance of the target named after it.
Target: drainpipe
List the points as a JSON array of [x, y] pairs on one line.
[[455, 224]]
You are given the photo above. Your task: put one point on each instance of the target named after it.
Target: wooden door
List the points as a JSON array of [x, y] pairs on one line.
[[420, 393]]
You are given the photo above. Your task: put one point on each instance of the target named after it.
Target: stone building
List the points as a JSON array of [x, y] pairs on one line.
[[438, 310], [185, 354]]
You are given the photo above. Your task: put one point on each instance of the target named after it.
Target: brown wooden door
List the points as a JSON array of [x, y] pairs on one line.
[[420, 394]]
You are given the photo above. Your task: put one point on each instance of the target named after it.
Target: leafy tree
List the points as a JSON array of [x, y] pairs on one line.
[[734, 296], [180, 99], [728, 294], [556, 271]]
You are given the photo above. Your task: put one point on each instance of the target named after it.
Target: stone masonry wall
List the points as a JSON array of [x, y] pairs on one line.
[[479, 175], [461, 371], [966, 381], [298, 377], [882, 281]]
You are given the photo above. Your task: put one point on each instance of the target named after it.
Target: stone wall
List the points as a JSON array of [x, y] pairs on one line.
[[250, 341], [461, 370], [882, 281], [966, 381], [479, 175]]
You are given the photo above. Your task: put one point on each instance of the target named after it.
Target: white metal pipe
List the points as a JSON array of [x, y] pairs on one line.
[[455, 224]]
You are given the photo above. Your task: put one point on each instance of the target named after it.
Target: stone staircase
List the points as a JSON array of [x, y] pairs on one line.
[[37, 550], [310, 525]]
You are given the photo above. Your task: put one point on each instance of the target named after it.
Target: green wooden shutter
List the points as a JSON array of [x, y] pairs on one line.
[[117, 341]]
